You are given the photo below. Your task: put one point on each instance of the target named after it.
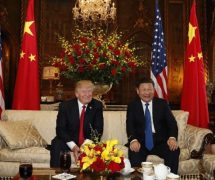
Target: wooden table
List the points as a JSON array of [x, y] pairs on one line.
[[47, 173]]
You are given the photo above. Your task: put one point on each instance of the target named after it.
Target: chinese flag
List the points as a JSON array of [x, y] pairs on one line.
[[26, 92], [194, 97]]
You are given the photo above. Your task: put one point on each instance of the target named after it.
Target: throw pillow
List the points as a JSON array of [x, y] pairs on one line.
[[20, 134]]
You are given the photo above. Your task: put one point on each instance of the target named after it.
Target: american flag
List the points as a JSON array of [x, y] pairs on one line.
[[2, 103], [159, 63]]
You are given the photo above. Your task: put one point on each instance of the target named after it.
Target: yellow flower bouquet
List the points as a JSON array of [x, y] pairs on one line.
[[102, 157]]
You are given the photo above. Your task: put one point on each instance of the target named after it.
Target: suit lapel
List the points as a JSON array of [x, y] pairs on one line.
[[140, 111], [74, 107], [88, 114]]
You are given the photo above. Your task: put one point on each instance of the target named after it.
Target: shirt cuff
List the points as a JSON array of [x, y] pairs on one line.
[[172, 137], [133, 140], [71, 144], [87, 141]]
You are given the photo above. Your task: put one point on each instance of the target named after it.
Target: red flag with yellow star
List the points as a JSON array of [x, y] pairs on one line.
[[194, 97], [26, 92]]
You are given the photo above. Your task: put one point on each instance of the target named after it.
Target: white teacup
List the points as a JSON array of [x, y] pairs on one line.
[[147, 167], [148, 177]]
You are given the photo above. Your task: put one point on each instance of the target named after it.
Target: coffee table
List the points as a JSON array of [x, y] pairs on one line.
[[47, 173]]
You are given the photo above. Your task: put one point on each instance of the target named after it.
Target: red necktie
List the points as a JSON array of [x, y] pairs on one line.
[[81, 129]]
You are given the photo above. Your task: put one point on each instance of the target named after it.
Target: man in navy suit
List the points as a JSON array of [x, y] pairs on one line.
[[163, 126], [68, 122]]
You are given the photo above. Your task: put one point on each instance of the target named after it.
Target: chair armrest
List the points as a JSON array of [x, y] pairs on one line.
[[196, 140]]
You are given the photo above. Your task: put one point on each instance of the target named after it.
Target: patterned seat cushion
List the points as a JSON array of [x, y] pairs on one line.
[[31, 154]]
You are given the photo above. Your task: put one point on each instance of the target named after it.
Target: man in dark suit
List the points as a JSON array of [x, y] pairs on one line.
[[163, 127], [75, 121]]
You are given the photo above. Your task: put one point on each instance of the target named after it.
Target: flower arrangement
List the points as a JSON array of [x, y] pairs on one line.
[[96, 56], [101, 157]]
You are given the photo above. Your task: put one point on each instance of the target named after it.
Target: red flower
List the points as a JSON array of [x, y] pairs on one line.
[[110, 47], [115, 167], [87, 51], [71, 60], [81, 69], [104, 54], [123, 68], [96, 55], [81, 157], [63, 67], [102, 66], [62, 54], [78, 52], [119, 43], [132, 64], [76, 47], [117, 52], [98, 148], [82, 61], [90, 67], [94, 61], [98, 44], [98, 165], [115, 62], [113, 72], [127, 54], [83, 40]]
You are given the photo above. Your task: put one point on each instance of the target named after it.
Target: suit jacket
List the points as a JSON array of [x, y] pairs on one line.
[[68, 120], [164, 121]]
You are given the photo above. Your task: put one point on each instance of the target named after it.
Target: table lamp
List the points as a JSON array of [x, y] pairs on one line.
[[51, 73]]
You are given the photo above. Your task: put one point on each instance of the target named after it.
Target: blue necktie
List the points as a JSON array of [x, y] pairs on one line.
[[148, 129]]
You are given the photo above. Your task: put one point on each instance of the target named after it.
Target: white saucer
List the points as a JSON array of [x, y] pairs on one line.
[[131, 170], [63, 176]]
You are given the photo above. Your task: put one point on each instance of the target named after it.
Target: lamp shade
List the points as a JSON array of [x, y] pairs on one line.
[[51, 73]]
